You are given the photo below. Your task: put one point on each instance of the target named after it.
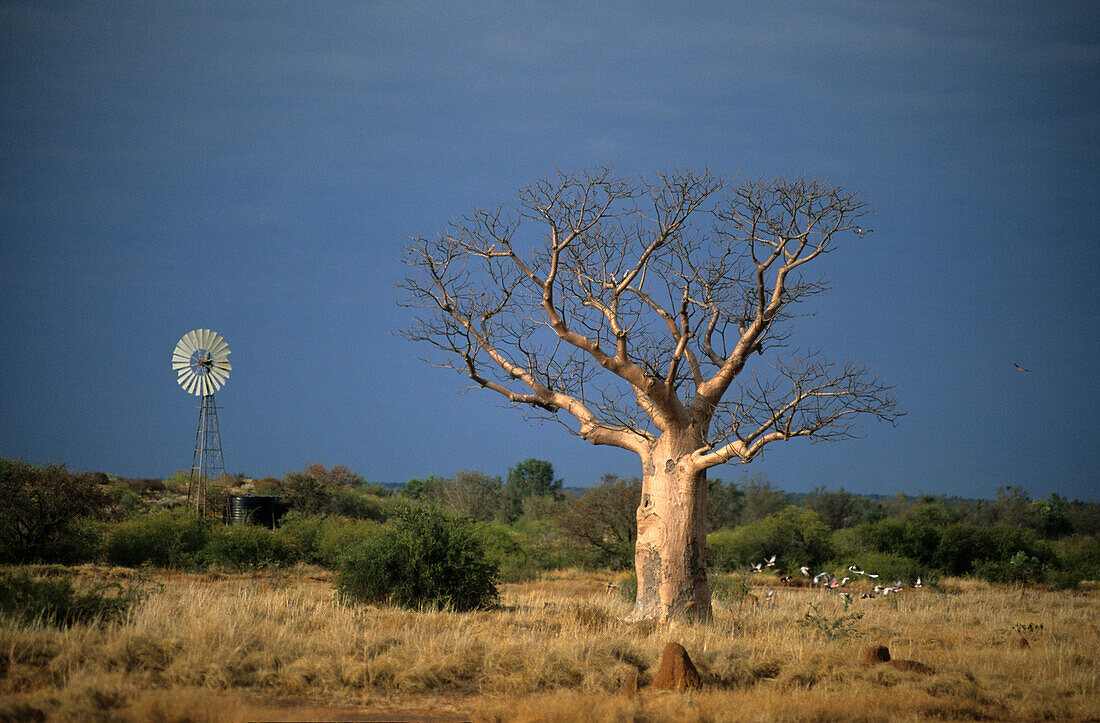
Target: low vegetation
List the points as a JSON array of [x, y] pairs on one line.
[[503, 599], [527, 525]]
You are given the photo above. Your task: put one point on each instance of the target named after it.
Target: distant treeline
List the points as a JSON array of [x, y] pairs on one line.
[[527, 523]]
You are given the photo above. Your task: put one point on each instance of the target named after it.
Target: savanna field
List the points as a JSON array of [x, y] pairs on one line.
[[478, 599], [281, 646]]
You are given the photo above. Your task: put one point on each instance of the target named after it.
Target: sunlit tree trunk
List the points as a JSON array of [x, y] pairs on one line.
[[670, 556]]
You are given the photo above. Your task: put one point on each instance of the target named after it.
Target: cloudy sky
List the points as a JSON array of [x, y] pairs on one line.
[[258, 168]]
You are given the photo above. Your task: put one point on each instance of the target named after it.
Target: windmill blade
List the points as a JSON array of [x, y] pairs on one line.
[[200, 338], [177, 365], [192, 338], [184, 375], [219, 375], [214, 383], [221, 365], [182, 346], [188, 383], [206, 385], [218, 345]]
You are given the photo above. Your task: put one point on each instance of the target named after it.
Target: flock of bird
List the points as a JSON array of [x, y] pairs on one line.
[[827, 580]]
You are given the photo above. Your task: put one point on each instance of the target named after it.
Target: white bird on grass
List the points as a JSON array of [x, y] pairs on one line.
[[918, 583]]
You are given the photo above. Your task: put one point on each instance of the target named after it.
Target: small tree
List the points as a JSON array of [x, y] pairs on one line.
[[637, 313], [533, 478], [41, 508], [603, 519]]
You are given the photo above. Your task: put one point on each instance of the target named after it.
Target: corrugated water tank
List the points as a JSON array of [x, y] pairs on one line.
[[256, 510]]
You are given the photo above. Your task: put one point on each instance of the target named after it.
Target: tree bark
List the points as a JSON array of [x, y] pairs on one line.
[[670, 554]]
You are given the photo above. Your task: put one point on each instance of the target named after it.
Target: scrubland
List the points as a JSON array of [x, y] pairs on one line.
[[220, 647]]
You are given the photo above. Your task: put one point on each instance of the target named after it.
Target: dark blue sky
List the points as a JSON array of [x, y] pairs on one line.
[[257, 168]]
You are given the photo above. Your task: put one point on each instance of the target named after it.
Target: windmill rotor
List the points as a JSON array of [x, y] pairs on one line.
[[201, 362]]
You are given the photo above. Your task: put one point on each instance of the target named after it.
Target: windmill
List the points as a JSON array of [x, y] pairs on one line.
[[200, 361]]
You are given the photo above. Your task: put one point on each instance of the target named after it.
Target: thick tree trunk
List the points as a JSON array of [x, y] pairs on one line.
[[670, 557]]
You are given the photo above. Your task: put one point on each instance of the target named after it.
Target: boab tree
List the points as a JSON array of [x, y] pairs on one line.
[[649, 315]]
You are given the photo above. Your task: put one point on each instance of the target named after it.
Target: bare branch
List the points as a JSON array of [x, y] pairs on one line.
[[635, 306]]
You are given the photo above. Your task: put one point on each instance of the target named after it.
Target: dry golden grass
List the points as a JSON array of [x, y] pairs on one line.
[[241, 647]]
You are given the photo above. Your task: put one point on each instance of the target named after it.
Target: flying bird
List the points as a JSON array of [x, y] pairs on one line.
[[770, 562], [861, 232], [805, 571], [1020, 368]]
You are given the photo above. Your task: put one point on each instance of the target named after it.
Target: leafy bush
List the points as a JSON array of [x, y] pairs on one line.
[[41, 510], [887, 565], [125, 498], [603, 521], [55, 602], [325, 540], [831, 629], [426, 559], [170, 538], [243, 547], [1020, 567], [1078, 559], [795, 535], [505, 548]]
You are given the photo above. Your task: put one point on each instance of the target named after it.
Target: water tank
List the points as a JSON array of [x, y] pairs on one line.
[[256, 510]]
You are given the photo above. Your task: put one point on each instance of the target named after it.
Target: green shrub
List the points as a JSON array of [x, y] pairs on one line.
[[326, 540], [1078, 559], [1020, 567], [426, 559], [171, 538], [832, 629], [42, 509], [795, 535], [125, 498], [505, 548], [886, 565], [55, 602], [244, 547]]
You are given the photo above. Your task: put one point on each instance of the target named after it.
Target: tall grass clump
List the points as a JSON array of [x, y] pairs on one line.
[[426, 559]]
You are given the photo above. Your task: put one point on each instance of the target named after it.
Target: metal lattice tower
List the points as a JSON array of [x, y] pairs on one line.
[[204, 491], [201, 363]]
